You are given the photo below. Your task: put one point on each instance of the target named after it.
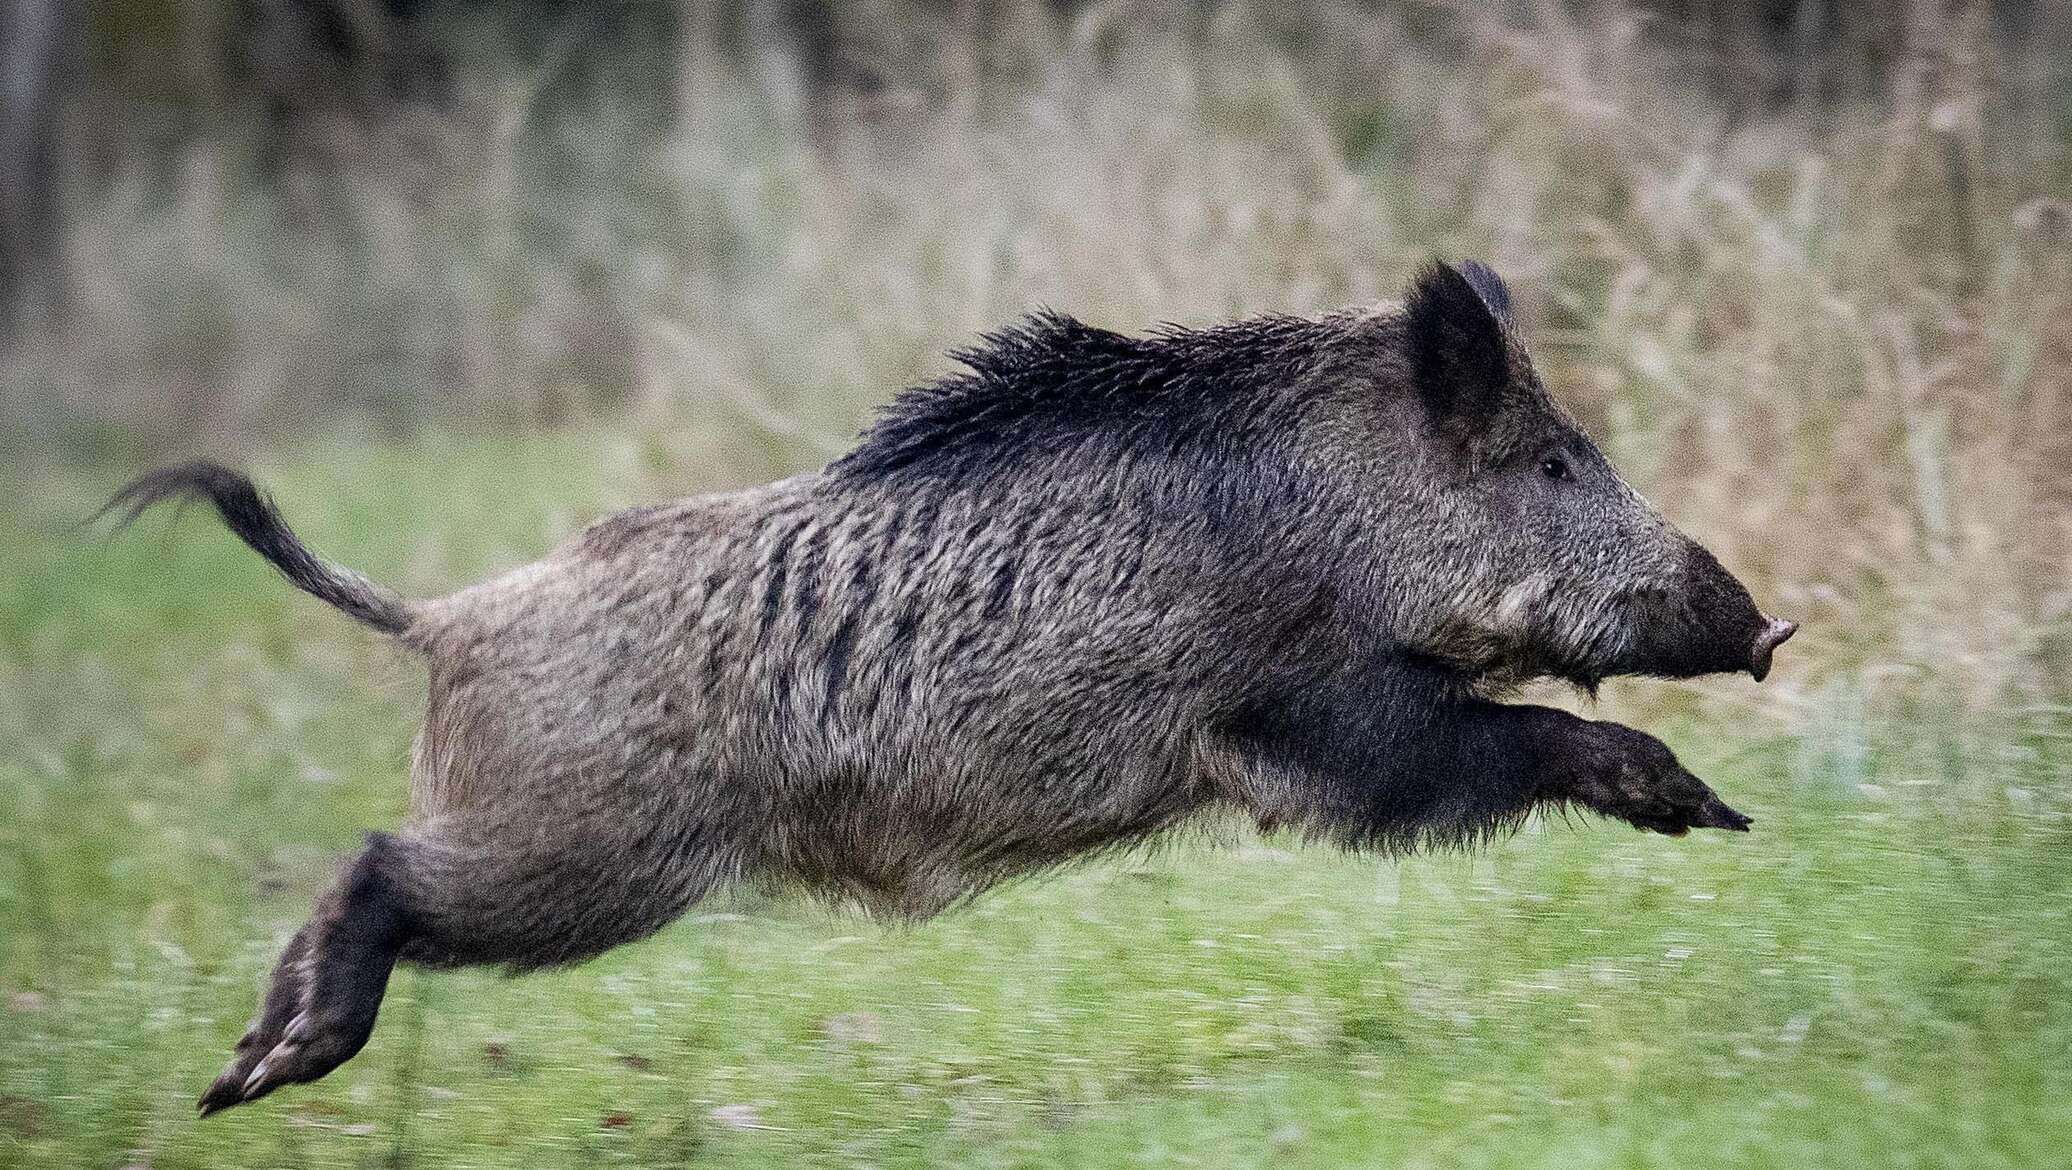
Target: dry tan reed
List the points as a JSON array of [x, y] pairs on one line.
[[1832, 337]]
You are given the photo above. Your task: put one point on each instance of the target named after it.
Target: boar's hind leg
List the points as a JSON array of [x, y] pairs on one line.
[[448, 895], [328, 985]]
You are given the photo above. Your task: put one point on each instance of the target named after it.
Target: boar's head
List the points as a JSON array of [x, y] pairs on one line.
[[1514, 549]]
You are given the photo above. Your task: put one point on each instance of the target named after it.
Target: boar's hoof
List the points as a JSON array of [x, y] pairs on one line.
[[311, 1047], [1633, 776], [1714, 814]]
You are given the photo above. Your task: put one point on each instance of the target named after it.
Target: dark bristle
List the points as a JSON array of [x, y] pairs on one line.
[[1051, 378]]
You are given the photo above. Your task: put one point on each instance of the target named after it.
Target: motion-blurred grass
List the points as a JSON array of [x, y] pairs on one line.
[[1880, 975]]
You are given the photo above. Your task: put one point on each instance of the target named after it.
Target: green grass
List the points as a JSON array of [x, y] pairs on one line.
[[1881, 975]]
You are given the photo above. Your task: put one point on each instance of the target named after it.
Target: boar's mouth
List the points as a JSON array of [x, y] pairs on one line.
[[1583, 637], [1714, 628], [1720, 634], [1539, 631]]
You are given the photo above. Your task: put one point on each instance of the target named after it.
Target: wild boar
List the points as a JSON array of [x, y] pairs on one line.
[[1067, 599]]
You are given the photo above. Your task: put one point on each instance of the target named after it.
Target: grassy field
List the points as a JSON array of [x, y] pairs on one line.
[[1881, 975]]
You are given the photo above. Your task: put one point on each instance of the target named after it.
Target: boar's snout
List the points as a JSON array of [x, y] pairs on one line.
[[1775, 632], [1705, 623]]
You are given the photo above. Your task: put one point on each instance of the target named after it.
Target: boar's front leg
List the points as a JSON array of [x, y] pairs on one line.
[[1377, 758], [1615, 770]]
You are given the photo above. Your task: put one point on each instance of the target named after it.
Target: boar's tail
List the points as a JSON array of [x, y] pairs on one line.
[[252, 517]]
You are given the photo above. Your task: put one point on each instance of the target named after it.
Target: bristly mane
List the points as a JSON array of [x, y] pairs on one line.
[[1038, 386]]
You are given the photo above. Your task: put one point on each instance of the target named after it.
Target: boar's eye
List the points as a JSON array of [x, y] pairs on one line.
[[1555, 467]]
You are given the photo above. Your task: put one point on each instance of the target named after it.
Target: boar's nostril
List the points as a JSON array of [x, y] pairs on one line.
[[1773, 634]]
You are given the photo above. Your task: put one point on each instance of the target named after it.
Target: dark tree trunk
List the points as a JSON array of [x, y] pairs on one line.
[[35, 60]]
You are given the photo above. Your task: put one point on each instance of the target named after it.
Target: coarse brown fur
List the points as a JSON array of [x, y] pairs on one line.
[[1065, 601]]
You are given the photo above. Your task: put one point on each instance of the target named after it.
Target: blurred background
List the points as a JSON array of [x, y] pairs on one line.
[[456, 277]]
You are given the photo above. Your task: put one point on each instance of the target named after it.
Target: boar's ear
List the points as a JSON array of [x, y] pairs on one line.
[[1489, 286], [1458, 353]]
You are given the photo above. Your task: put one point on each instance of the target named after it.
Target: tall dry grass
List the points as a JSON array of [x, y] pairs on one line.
[[1833, 338], [1835, 343]]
